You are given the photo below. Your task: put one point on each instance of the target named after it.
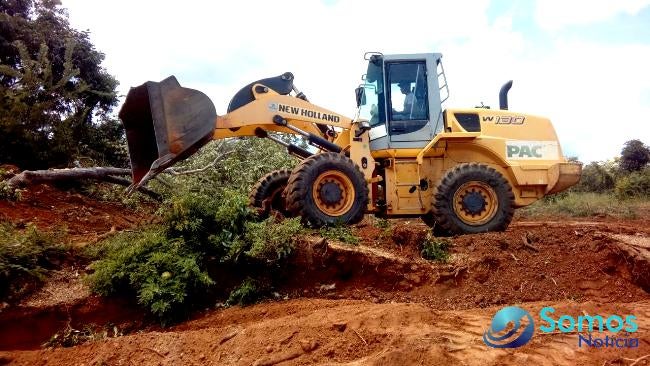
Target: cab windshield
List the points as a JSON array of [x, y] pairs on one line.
[[371, 107]]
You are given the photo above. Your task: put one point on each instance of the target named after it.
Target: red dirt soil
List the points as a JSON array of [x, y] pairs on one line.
[[376, 303], [83, 218]]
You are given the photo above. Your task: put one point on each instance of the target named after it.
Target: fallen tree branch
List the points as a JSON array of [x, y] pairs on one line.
[[106, 174], [30, 177], [213, 164]]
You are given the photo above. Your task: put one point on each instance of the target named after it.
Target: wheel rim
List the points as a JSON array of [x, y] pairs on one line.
[[475, 203], [333, 193]]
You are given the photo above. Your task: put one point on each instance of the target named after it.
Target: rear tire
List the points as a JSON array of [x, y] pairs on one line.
[[473, 198], [267, 193], [327, 189]]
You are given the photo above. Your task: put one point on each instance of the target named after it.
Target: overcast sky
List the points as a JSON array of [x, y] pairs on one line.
[[584, 64]]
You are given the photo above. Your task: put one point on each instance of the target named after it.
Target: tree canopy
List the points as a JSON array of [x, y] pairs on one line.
[[634, 156], [55, 97]]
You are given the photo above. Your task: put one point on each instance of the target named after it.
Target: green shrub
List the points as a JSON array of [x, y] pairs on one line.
[[435, 249], [634, 185], [249, 292], [597, 177], [166, 266], [269, 241], [340, 233], [163, 273], [26, 256]]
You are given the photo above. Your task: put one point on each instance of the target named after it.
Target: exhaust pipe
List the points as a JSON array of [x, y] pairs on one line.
[[503, 95], [164, 123]]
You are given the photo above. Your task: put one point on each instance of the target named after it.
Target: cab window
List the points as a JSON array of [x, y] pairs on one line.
[[407, 89]]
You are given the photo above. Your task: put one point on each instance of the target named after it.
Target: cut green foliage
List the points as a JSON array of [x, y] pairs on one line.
[[340, 233], [238, 164], [435, 249], [26, 256]]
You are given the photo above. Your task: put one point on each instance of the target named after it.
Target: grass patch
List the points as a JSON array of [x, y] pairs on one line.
[[585, 204], [340, 233], [381, 223], [26, 255], [435, 249]]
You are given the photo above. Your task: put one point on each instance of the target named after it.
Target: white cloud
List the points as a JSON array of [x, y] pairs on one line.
[[556, 14], [596, 94]]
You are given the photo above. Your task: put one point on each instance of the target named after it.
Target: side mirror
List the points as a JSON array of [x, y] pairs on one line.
[[360, 96]]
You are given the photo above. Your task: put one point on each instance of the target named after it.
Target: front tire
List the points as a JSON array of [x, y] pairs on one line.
[[473, 198], [327, 189]]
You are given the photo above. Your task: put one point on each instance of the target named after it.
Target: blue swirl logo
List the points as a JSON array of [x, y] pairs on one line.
[[497, 336]]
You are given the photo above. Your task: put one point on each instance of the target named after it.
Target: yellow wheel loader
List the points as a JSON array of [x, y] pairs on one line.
[[402, 155]]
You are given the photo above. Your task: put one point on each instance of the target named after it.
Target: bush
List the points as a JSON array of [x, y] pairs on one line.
[[26, 256], [249, 292], [597, 177], [269, 241], [167, 266], [435, 249], [634, 185], [208, 224], [162, 273]]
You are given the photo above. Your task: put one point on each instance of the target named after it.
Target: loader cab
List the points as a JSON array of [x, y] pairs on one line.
[[402, 100]]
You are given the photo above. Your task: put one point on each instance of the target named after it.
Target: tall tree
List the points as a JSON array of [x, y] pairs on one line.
[[634, 156], [55, 97]]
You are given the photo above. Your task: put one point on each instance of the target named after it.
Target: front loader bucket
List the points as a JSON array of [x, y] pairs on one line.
[[164, 123]]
